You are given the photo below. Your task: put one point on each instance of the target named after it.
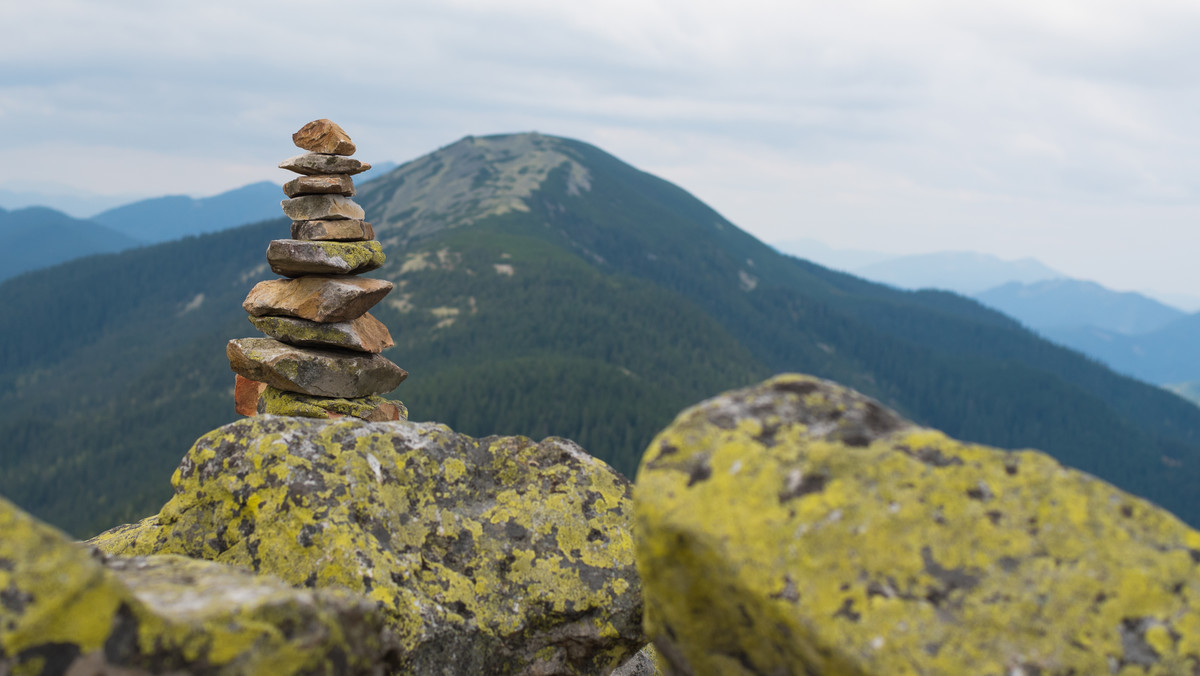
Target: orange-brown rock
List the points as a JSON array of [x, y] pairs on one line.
[[319, 163], [324, 136], [321, 207], [364, 334], [333, 231], [319, 298], [319, 372], [246, 393], [321, 184]]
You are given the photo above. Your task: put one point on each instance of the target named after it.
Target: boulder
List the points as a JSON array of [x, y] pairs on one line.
[[311, 164], [324, 136], [317, 298], [67, 610], [798, 527], [318, 372], [344, 230], [296, 258], [364, 334], [321, 207], [489, 556], [333, 184], [274, 401]]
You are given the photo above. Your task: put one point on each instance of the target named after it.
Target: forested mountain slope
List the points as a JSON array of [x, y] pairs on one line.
[[542, 287], [36, 237]]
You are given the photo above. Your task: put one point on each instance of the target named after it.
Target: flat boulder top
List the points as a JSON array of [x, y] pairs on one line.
[[324, 136], [805, 528]]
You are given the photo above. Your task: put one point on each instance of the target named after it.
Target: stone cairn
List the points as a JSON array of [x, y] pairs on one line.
[[322, 359]]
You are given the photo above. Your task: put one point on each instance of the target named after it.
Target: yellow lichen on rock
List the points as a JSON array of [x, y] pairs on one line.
[[511, 555], [799, 527], [64, 609]]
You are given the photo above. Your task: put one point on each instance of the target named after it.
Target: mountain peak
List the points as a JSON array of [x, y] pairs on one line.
[[473, 178]]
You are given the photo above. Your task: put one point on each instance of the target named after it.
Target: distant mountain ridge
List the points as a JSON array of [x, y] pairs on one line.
[[38, 237], [1069, 304], [964, 272], [162, 219], [542, 287]]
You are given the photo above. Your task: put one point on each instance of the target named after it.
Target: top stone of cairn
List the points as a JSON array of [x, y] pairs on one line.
[[324, 136]]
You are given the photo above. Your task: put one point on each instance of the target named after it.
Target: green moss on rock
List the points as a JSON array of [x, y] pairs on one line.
[[495, 555], [65, 609], [274, 401], [797, 527]]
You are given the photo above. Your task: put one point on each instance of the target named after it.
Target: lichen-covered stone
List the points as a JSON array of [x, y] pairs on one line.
[[797, 527], [345, 230], [318, 298], [364, 334], [296, 258], [64, 610], [490, 556], [320, 163], [333, 184], [274, 401], [317, 372], [644, 663], [321, 207]]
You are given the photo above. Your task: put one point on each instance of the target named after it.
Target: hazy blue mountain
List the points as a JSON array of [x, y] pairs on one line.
[[820, 253], [37, 237], [1167, 355], [1184, 301], [162, 219], [542, 286], [378, 169], [70, 201], [1075, 304], [959, 271]]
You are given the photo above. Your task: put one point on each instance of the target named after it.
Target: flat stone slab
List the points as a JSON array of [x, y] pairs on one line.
[[319, 372], [346, 230], [321, 207], [296, 258], [321, 163], [274, 401], [323, 184], [363, 334], [319, 298], [324, 136]]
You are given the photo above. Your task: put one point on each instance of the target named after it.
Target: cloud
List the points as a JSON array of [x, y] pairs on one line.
[[942, 120]]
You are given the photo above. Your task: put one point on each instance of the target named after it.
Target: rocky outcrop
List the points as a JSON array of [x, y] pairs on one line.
[[487, 556], [798, 527], [67, 610]]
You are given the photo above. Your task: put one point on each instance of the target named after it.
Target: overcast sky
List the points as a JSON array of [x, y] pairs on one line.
[[1062, 130]]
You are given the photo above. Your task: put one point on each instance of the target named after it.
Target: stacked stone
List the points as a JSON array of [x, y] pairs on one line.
[[322, 359]]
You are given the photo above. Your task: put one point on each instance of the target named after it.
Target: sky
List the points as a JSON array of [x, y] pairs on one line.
[[1061, 130]]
